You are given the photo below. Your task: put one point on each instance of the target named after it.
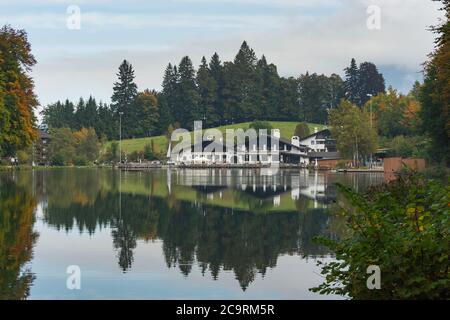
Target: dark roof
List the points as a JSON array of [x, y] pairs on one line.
[[43, 134], [286, 141], [327, 131], [325, 155]]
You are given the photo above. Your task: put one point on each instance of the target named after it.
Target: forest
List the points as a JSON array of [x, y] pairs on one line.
[[219, 93]]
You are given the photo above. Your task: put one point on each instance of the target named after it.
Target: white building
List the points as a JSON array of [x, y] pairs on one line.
[[319, 141], [266, 149]]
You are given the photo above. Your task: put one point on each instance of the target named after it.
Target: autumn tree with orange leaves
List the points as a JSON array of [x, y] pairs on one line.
[[17, 99], [435, 93]]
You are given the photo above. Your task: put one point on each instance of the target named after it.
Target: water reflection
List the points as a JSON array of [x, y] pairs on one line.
[[16, 239], [221, 220]]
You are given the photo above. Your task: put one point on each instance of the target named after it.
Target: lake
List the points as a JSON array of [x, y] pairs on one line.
[[167, 233]]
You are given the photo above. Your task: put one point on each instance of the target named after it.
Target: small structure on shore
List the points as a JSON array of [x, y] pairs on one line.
[[395, 165]]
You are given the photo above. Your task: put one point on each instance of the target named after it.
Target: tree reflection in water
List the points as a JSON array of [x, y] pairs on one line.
[[229, 227], [17, 239]]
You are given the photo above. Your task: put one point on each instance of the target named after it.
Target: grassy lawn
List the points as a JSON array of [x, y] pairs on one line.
[[160, 142]]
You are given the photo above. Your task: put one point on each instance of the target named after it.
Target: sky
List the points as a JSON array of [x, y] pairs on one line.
[[297, 35]]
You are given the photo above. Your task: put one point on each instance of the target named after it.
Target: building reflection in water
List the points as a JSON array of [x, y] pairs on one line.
[[219, 219]]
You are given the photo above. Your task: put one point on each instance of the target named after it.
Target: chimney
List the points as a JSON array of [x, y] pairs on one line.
[[276, 133], [295, 141], [316, 130]]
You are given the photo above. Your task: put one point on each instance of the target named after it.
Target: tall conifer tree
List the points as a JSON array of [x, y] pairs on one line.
[[124, 95]]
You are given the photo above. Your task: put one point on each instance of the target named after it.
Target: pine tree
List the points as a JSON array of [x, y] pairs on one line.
[[187, 102], [352, 83], [86, 114], [313, 103], [167, 98], [106, 124], [240, 89], [216, 71], [370, 81], [269, 105], [90, 116], [79, 114], [124, 95], [289, 99], [207, 89]]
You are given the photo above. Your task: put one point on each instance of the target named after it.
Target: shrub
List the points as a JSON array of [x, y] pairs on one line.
[[81, 161], [23, 157], [148, 152], [134, 156], [341, 164], [302, 130], [58, 160], [403, 228]]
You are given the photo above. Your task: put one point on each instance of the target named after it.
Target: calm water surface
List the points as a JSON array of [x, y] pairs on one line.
[[167, 234]]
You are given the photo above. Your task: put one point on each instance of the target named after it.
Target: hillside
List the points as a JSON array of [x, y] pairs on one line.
[[160, 142]]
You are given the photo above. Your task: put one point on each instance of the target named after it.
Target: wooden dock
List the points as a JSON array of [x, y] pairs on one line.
[[138, 166]]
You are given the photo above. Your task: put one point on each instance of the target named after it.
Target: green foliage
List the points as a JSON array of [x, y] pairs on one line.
[[23, 157], [435, 92], [437, 172], [148, 116], [208, 94], [87, 144], [112, 153], [123, 99], [409, 147], [394, 113], [58, 159], [68, 148], [148, 152], [80, 161], [362, 81], [352, 129], [188, 99], [302, 130], [17, 99], [62, 146], [317, 94], [135, 156], [402, 227]]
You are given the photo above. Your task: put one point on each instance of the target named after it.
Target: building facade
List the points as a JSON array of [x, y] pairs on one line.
[[265, 150], [40, 156]]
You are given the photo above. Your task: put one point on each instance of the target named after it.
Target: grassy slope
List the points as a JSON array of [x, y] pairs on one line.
[[160, 142]]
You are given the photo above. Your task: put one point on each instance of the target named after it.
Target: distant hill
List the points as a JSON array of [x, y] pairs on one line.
[[160, 142]]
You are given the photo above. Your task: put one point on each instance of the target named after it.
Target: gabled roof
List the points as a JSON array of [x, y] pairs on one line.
[[324, 131]]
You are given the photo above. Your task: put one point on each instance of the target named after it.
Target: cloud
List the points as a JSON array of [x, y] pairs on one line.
[[296, 38]]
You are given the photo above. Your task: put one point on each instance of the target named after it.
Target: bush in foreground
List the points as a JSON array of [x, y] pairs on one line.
[[402, 227]]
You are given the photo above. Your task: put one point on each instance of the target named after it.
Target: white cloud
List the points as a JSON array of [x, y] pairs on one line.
[[293, 39]]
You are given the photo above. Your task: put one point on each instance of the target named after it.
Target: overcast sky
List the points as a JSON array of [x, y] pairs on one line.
[[297, 35]]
